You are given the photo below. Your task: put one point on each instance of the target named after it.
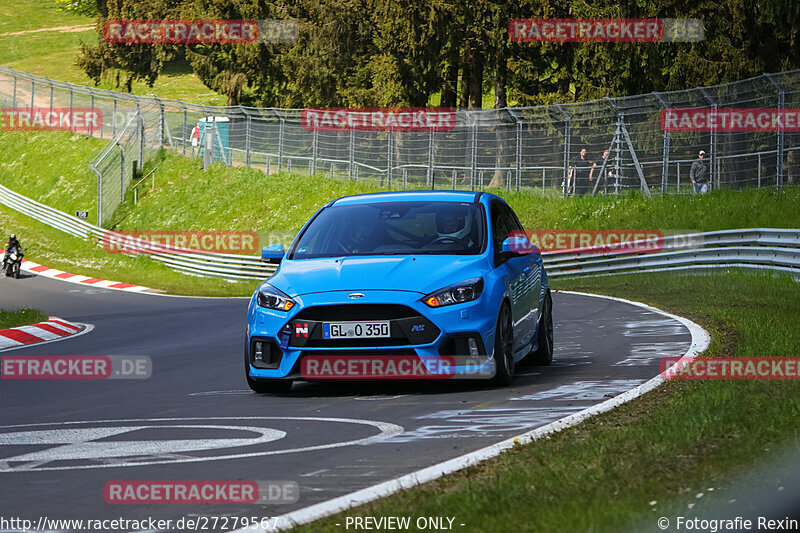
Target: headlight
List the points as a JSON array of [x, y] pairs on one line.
[[272, 298], [465, 291]]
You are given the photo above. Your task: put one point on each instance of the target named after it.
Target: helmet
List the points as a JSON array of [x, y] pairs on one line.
[[453, 222], [13, 237]]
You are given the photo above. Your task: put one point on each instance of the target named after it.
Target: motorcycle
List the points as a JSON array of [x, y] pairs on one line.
[[13, 262]]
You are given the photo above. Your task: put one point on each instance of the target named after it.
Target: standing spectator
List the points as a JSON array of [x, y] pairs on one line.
[[195, 138], [699, 174], [579, 174]]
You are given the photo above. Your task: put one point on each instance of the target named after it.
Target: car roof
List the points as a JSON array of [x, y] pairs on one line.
[[409, 196]]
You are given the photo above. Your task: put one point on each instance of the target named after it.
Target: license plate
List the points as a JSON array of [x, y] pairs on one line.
[[355, 330]]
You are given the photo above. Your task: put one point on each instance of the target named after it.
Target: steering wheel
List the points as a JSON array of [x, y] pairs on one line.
[[448, 238]]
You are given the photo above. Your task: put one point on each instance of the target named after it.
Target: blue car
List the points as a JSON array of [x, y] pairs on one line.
[[426, 275]]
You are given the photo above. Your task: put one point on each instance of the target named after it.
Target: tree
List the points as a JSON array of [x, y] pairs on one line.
[[139, 61]]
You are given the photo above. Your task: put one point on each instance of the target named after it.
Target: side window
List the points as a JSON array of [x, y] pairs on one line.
[[501, 225], [514, 223]]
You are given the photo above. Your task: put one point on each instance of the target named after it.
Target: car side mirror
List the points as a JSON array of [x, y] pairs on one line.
[[518, 245], [273, 254]]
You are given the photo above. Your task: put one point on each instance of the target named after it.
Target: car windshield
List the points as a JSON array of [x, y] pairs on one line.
[[394, 228]]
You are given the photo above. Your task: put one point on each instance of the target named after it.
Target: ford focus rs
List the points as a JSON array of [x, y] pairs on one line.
[[428, 276]]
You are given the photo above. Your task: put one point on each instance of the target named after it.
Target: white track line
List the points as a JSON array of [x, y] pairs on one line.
[[700, 341]]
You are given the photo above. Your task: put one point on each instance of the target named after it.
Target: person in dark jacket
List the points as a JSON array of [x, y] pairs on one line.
[[12, 243], [579, 174], [699, 174]]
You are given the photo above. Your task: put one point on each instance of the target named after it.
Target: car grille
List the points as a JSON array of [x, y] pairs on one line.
[[356, 312], [407, 327]]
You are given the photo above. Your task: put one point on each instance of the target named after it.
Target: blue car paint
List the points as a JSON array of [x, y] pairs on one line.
[[406, 279]]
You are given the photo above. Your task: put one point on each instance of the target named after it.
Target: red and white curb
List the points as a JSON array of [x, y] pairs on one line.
[[53, 330], [47, 272]]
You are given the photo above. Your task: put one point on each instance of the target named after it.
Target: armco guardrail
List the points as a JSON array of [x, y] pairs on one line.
[[758, 248], [229, 266]]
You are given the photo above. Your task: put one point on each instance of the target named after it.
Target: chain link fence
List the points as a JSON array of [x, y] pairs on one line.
[[528, 149]]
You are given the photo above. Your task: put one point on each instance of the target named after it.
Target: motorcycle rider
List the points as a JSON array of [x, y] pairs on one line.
[[10, 245]]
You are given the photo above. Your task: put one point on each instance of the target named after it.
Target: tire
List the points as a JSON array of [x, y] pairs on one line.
[[16, 270], [264, 386], [503, 348], [544, 355]]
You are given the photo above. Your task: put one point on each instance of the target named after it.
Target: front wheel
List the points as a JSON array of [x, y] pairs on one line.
[[503, 348], [544, 355], [16, 270]]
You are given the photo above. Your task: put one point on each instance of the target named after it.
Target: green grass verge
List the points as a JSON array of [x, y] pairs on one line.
[[22, 317], [666, 446], [56, 249], [53, 53], [239, 198]]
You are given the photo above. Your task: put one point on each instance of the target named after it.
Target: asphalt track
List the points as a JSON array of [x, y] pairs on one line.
[[195, 419]]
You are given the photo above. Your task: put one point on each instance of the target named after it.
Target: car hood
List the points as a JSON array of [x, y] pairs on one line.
[[419, 273]]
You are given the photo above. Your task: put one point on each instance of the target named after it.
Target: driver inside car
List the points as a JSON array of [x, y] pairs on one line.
[[453, 226]]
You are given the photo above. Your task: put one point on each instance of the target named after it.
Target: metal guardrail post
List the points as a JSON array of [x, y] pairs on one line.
[[161, 119], [185, 131], [639, 171], [518, 151], [759, 171], [780, 141], [114, 121], [247, 152], [567, 137], [91, 130], [122, 172], [473, 155], [429, 177], [712, 163], [33, 92], [141, 140], [280, 143], [314, 148], [99, 195], [389, 156], [665, 152], [351, 154]]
